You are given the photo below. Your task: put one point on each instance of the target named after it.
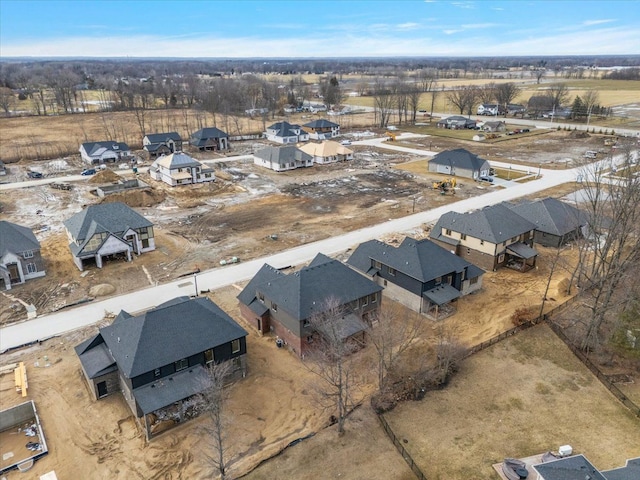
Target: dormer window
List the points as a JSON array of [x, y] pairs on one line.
[[28, 254]]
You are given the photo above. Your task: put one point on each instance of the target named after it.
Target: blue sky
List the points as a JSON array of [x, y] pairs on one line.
[[307, 28]]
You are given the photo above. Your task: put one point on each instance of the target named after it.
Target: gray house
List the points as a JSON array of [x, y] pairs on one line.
[[20, 258], [159, 358], [556, 222], [285, 132], [108, 231], [102, 152], [456, 122], [459, 162], [491, 238], [210, 138], [284, 304], [494, 127], [157, 144], [418, 273], [282, 158]]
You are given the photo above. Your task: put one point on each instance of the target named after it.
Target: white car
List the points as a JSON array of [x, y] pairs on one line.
[[345, 142]]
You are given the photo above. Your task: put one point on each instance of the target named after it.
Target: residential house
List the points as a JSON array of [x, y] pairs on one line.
[[461, 163], [102, 152], [158, 359], [557, 223], [282, 158], [418, 273], [577, 467], [456, 122], [285, 132], [494, 127], [20, 258], [322, 129], [210, 138], [490, 109], [516, 109], [490, 238], [108, 231], [285, 304], [327, 152], [157, 144], [180, 169]]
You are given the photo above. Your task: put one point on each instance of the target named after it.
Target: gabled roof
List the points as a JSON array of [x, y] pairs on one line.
[[209, 132], [104, 218], [178, 329], [551, 215], [493, 123], [92, 147], [177, 160], [163, 137], [282, 155], [419, 259], [304, 293], [494, 224], [248, 295], [325, 149], [631, 471], [16, 238], [460, 158], [321, 123], [285, 129], [569, 468]]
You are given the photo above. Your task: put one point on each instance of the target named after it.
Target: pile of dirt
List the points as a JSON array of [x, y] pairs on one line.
[[102, 290], [579, 134], [105, 176], [138, 198]]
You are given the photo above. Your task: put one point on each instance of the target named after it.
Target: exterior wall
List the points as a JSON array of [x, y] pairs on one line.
[[468, 287], [483, 260], [251, 317], [399, 294], [548, 239], [272, 165], [22, 266], [111, 380], [126, 389]]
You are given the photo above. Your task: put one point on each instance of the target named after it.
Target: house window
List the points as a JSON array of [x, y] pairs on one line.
[[235, 346], [208, 356], [501, 258], [514, 239], [447, 231], [504, 244], [481, 242], [31, 268], [377, 264], [28, 254], [274, 307], [261, 297], [156, 372], [392, 271], [473, 281], [182, 364], [438, 280], [463, 236], [374, 298], [365, 301]]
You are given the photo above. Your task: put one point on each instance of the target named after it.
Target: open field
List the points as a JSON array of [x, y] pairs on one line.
[[523, 396]]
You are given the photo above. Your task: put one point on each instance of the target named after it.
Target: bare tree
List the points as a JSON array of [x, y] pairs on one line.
[[331, 360], [463, 98], [213, 398], [558, 94], [487, 92], [383, 102], [392, 332], [590, 99], [6, 99], [434, 94], [506, 93]]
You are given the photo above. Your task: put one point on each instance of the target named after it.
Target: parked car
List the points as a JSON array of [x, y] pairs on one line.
[[485, 178], [31, 174], [89, 171], [345, 142]]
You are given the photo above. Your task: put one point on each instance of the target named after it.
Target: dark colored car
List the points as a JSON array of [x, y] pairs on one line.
[[484, 178], [89, 171], [34, 175]]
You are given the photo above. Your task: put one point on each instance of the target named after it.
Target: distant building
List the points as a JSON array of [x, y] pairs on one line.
[[285, 132], [459, 162], [322, 129], [280, 159], [180, 169], [157, 144], [210, 138], [103, 152], [20, 258]]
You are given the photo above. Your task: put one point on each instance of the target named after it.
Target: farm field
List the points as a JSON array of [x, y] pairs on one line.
[[523, 396]]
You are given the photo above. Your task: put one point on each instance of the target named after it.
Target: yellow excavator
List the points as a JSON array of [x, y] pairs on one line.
[[445, 186], [392, 137]]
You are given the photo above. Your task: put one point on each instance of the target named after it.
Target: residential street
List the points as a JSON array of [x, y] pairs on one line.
[[66, 320]]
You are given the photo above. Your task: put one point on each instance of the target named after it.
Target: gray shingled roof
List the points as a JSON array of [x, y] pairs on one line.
[[16, 238], [460, 158], [494, 224], [92, 147], [569, 468], [419, 259], [631, 471], [551, 215], [106, 217], [178, 329], [282, 155], [303, 293], [95, 357], [201, 136], [321, 123], [284, 129], [163, 137], [248, 294]]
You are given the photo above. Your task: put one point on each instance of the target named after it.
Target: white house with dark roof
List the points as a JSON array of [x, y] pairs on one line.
[[327, 152], [20, 258], [285, 132], [459, 162], [419, 274], [103, 152], [180, 169], [280, 159], [284, 304], [490, 238], [108, 231], [162, 143], [159, 358], [322, 129]]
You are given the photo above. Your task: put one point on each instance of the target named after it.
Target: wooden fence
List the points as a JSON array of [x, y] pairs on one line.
[[398, 444]]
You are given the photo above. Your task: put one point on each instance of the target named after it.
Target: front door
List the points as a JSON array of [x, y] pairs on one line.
[[14, 273], [102, 389]]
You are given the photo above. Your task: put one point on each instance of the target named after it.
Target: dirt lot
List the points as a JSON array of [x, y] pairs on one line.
[[515, 399]]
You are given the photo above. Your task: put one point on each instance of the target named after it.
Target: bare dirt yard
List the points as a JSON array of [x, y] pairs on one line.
[[523, 396]]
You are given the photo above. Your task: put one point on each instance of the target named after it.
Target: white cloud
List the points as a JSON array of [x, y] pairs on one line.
[[450, 31], [588, 23], [467, 5], [408, 26], [472, 26]]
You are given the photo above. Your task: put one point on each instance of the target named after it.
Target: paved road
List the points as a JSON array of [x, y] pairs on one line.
[[54, 324]]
